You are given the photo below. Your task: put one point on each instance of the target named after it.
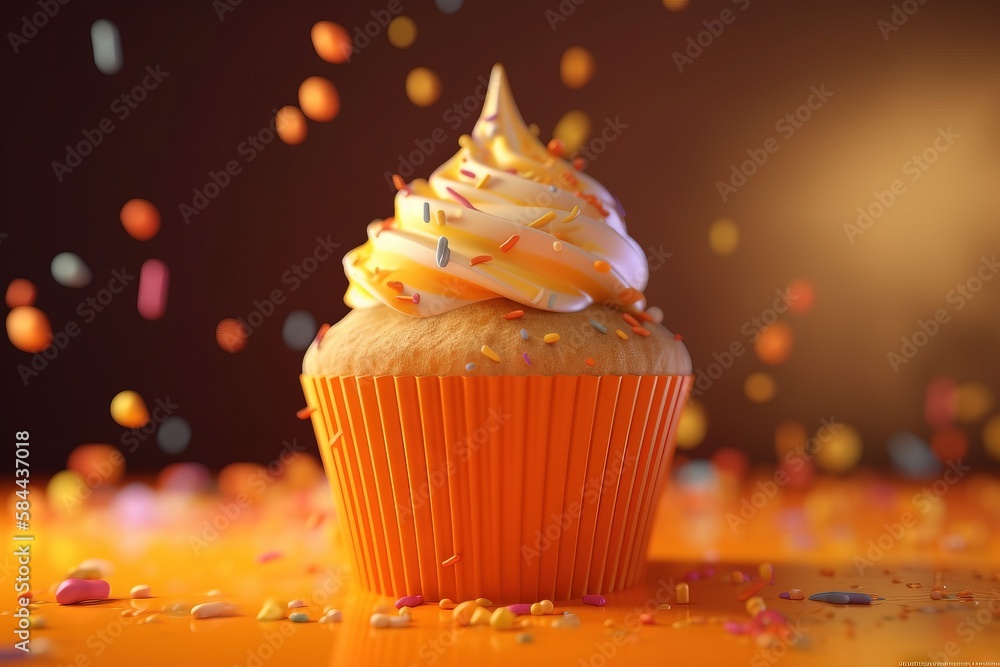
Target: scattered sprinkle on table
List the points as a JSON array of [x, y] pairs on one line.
[[594, 600], [551, 338]]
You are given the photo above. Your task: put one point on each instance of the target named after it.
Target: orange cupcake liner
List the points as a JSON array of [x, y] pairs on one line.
[[514, 488]]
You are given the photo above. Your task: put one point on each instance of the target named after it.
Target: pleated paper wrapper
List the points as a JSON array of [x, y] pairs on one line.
[[514, 488]]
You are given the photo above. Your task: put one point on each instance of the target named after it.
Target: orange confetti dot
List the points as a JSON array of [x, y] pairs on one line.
[[589, 361], [601, 266], [514, 314], [305, 412], [28, 329], [774, 344], [801, 296], [556, 147], [231, 335], [332, 42], [20, 292], [423, 86], [140, 218], [97, 463], [576, 67], [291, 125], [319, 99]]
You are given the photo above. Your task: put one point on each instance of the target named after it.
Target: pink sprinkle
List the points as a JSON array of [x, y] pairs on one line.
[[734, 628], [72, 591], [466, 172], [154, 276], [520, 609], [647, 619], [524, 356], [269, 556], [595, 600], [409, 601], [416, 298], [460, 199]]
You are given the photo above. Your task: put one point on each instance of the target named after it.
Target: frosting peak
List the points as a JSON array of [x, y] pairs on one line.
[[504, 217]]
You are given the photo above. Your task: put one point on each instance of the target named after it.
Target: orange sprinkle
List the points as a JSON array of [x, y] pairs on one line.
[[321, 333], [644, 316], [630, 295], [509, 243], [569, 179], [404, 297], [593, 201], [640, 331], [621, 334], [601, 266], [305, 412], [395, 285], [514, 314], [451, 561], [579, 163], [479, 259], [678, 337], [397, 180], [556, 147], [632, 322], [589, 361]]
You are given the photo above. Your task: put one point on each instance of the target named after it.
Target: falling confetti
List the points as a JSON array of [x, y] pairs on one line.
[[723, 237], [692, 425], [573, 130], [940, 402], [231, 335], [319, 99], [291, 125], [576, 67], [789, 435], [69, 270], [448, 6], [760, 387], [299, 330], [98, 463], [774, 344], [20, 292], [839, 447], [423, 87], [28, 329], [801, 296], [402, 32], [129, 410], [154, 280], [140, 218], [332, 42], [107, 44], [949, 443], [173, 435]]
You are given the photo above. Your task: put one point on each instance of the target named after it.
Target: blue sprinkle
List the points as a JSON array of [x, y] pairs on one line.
[[600, 327], [524, 334], [553, 189], [427, 211], [552, 300], [470, 366]]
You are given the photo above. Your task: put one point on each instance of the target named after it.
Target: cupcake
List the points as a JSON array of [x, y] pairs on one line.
[[497, 413]]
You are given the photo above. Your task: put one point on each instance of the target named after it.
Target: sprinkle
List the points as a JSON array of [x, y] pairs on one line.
[[552, 300], [509, 243], [443, 253], [409, 601], [632, 322], [460, 199], [397, 180], [305, 412], [683, 593], [427, 211], [524, 355], [524, 334], [439, 217], [466, 172], [395, 284], [593, 201], [214, 610], [404, 297], [557, 246], [479, 259], [678, 337], [595, 600], [483, 180], [601, 266], [448, 562], [544, 220], [647, 619], [589, 361], [470, 366], [551, 338], [322, 333], [621, 334], [600, 327], [630, 295], [416, 298], [556, 147], [520, 609], [640, 331], [796, 594], [446, 603], [514, 314], [643, 316], [485, 349], [572, 214], [579, 163]]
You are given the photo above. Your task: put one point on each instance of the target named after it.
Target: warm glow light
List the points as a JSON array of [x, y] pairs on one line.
[[692, 425], [839, 448], [28, 329], [66, 492], [788, 436], [332, 42], [801, 296], [774, 345], [940, 401], [576, 67], [676, 5], [723, 237], [129, 410], [402, 32], [140, 218], [97, 464], [231, 335], [573, 130], [423, 86], [291, 125], [949, 443], [760, 387], [319, 99]]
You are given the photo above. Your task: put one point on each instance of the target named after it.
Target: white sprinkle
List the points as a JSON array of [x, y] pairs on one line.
[[107, 44]]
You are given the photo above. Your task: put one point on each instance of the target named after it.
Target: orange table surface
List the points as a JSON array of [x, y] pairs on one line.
[[838, 535]]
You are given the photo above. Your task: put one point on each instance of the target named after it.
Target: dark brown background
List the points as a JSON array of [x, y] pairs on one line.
[[684, 131]]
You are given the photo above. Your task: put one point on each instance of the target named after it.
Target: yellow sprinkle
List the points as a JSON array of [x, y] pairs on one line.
[[545, 219], [572, 214], [551, 338], [483, 180], [601, 266], [557, 246], [484, 602], [547, 606], [528, 174], [485, 349], [440, 217], [465, 141], [502, 619], [537, 610], [446, 604], [621, 334]]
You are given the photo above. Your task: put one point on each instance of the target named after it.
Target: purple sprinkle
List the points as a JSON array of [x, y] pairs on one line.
[[460, 199], [409, 601], [524, 356], [595, 600], [269, 555], [785, 596], [520, 609]]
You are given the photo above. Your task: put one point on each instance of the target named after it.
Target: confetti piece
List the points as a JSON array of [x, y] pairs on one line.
[[28, 329], [551, 338], [268, 556], [576, 67], [332, 42], [514, 314], [579, 163], [154, 277], [557, 246], [402, 32], [597, 325], [298, 330], [621, 334], [69, 270], [107, 45], [173, 435], [427, 211], [319, 99], [485, 349], [543, 220], [509, 243], [73, 590], [632, 322], [305, 413], [466, 173], [409, 601], [214, 610], [291, 126], [448, 562], [678, 337], [439, 217], [140, 218], [480, 259], [573, 129], [399, 183], [572, 214], [470, 366], [395, 285], [20, 292], [415, 297], [460, 199]]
